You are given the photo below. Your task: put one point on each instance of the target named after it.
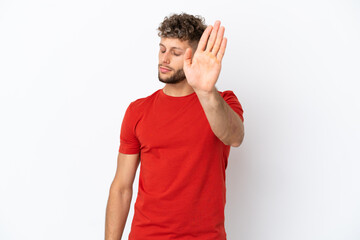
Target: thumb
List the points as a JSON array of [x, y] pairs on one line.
[[187, 57]]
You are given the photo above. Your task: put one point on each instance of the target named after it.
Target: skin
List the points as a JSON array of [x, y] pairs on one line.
[[171, 56], [201, 71], [120, 195]]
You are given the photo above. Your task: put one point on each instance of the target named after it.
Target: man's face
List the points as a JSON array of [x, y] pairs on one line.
[[171, 60]]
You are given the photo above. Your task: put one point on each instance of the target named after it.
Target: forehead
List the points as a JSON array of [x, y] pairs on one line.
[[174, 43]]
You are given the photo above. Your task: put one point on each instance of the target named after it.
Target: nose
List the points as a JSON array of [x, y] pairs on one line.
[[165, 58]]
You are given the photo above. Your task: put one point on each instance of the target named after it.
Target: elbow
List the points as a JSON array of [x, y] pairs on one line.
[[238, 135], [124, 190], [239, 140], [234, 137]]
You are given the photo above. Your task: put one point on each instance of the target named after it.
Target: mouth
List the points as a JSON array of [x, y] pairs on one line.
[[164, 70]]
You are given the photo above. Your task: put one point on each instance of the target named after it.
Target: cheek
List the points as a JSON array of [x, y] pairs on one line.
[[180, 62]]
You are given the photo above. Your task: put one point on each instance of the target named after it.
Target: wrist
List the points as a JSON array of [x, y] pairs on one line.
[[206, 93]]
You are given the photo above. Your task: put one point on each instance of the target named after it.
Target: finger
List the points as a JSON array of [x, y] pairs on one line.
[[219, 39], [187, 57], [212, 37], [204, 38], [221, 52]]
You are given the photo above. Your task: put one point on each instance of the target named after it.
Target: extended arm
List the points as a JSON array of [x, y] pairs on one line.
[[202, 71], [224, 121]]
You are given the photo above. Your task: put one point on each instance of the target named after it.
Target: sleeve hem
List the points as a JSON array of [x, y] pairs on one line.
[[128, 150]]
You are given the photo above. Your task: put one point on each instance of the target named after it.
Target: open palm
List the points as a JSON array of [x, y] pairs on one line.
[[202, 71]]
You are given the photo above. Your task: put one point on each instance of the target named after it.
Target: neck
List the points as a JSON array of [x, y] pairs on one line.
[[178, 89]]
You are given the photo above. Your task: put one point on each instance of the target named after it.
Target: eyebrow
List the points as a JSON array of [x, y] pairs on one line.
[[160, 44]]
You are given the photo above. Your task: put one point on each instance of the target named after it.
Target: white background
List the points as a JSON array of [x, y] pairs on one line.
[[70, 68]]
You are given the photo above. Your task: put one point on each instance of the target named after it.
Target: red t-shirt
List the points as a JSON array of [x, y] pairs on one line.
[[182, 190]]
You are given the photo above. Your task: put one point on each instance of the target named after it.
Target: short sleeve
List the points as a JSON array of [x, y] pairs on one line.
[[129, 143], [233, 102]]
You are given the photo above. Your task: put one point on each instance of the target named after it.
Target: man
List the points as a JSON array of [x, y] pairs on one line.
[[182, 133]]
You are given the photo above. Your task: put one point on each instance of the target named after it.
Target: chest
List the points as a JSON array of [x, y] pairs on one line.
[[174, 126]]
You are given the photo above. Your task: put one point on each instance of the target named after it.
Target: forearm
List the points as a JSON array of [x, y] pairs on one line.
[[224, 122], [117, 211]]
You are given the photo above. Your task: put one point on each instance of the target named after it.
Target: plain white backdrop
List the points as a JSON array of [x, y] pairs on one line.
[[69, 69]]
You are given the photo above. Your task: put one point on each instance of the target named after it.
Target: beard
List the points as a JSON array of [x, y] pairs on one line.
[[178, 76]]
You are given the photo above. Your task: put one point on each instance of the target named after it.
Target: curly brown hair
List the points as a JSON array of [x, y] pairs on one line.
[[182, 26]]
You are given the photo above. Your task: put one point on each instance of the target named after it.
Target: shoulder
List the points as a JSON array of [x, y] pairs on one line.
[[231, 99], [142, 103], [226, 94]]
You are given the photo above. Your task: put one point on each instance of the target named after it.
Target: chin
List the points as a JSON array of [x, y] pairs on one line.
[[174, 78]]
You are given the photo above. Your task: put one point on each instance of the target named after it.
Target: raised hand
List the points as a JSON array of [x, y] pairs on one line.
[[202, 71]]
